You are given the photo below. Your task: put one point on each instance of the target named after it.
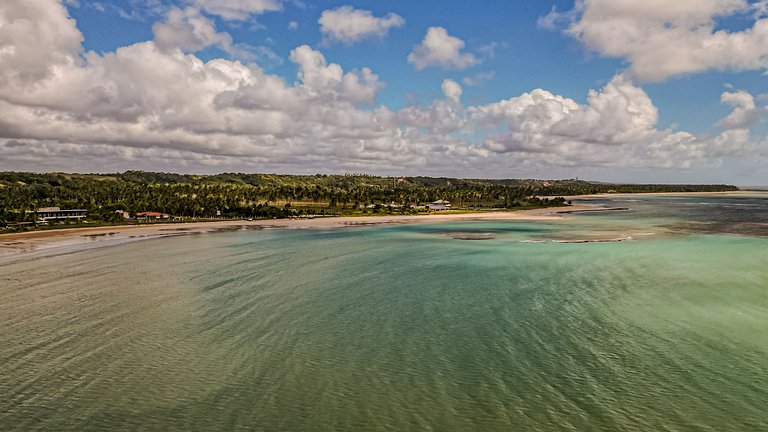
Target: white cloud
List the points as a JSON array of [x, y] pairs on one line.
[[452, 90], [438, 48], [188, 30], [239, 10], [662, 39], [150, 105], [555, 20], [317, 76], [760, 9], [478, 78], [488, 50], [615, 127], [349, 25], [745, 113], [293, 26], [26, 59]]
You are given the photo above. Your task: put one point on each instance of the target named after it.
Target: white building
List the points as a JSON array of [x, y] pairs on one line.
[[52, 213], [439, 205]]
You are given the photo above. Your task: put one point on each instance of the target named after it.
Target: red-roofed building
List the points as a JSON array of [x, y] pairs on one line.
[[152, 215]]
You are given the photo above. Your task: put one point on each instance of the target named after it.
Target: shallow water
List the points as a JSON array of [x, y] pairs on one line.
[[396, 328]]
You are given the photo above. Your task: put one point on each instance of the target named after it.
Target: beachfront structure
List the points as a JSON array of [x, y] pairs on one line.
[[439, 205], [152, 215], [391, 205], [53, 213]]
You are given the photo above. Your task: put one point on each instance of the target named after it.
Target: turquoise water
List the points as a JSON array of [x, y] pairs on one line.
[[398, 328]]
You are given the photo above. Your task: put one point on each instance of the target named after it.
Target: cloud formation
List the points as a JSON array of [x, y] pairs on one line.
[[540, 121], [478, 78], [452, 90], [438, 48], [156, 105], [188, 30], [662, 39], [745, 112], [348, 25], [23, 61], [239, 10]]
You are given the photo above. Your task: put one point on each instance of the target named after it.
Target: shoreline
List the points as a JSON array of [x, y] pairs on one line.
[[33, 242], [622, 195]]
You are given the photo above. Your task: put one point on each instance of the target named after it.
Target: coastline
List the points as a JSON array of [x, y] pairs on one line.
[[622, 195], [32, 242]]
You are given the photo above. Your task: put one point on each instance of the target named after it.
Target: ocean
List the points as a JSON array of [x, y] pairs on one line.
[[653, 317]]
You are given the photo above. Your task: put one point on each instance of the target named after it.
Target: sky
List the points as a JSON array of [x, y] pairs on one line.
[[647, 91]]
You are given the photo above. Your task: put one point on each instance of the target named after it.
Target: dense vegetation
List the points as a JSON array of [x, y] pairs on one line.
[[271, 195]]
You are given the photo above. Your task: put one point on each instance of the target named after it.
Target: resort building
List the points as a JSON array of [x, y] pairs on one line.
[[391, 206], [53, 213], [152, 215], [439, 205]]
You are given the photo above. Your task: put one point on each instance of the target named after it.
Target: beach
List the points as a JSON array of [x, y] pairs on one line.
[[44, 241]]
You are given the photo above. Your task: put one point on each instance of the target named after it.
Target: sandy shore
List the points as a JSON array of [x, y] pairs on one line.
[[78, 238]]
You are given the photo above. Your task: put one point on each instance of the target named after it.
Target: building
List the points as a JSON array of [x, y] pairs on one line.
[[391, 206], [152, 215], [53, 213], [439, 205], [123, 213]]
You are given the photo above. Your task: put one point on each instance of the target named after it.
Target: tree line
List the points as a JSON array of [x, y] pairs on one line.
[[273, 195]]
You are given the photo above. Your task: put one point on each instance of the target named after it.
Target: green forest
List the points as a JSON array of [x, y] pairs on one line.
[[233, 195]]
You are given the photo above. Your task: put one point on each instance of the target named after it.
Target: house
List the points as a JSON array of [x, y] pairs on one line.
[[152, 215], [439, 205], [123, 213], [52, 213], [391, 206]]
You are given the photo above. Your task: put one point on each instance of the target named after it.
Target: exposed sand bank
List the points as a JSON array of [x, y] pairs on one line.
[[40, 241]]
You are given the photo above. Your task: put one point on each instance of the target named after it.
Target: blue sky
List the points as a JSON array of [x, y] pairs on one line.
[[673, 110], [526, 56]]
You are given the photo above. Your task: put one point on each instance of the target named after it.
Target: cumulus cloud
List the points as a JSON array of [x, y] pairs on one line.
[[438, 48], [24, 60], [154, 106], [662, 39], [615, 127], [188, 30], [319, 77], [452, 90], [238, 10], [620, 113], [145, 97], [349, 25], [745, 112]]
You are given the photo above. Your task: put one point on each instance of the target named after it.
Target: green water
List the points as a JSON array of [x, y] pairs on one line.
[[394, 328]]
